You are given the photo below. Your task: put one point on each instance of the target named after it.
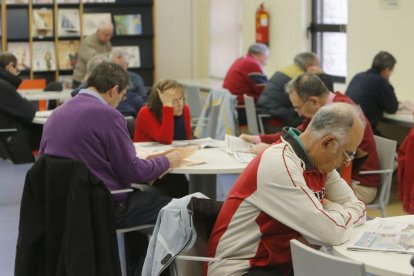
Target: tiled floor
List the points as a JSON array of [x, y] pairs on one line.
[[11, 185]]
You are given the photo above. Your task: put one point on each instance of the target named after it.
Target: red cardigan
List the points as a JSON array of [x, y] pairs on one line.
[[406, 173], [367, 145], [149, 129]]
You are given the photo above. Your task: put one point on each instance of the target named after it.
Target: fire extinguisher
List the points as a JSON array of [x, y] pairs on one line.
[[262, 25]]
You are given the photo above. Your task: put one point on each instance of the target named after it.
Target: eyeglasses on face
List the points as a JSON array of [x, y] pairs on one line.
[[349, 156]]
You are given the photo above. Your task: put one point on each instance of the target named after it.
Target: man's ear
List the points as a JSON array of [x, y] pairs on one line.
[[329, 143], [314, 101], [114, 90]]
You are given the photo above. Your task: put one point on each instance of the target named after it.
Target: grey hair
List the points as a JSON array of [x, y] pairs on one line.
[[257, 49], [105, 24], [305, 59], [336, 119], [119, 53], [95, 61], [307, 85]]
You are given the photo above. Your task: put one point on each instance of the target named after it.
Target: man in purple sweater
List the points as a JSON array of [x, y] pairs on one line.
[[88, 128]]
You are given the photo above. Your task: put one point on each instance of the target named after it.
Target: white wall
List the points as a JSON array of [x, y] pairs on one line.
[[372, 28]]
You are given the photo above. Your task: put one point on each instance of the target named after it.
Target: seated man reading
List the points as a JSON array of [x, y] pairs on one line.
[[290, 191]]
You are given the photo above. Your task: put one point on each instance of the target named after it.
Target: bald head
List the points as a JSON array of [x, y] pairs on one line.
[[105, 31]]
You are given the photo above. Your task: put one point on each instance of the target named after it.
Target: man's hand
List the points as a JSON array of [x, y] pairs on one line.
[[256, 149], [247, 138], [176, 156]]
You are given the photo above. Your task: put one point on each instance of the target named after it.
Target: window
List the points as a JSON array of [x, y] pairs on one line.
[[329, 38], [225, 36]]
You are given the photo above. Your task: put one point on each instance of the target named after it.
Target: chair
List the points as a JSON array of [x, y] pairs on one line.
[[212, 123], [253, 117], [35, 84], [309, 262], [386, 152], [194, 102]]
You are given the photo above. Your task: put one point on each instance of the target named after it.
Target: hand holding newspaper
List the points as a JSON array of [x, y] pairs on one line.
[[239, 148], [386, 235]]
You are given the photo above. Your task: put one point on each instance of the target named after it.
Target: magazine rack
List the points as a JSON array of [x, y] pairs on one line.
[[45, 34]]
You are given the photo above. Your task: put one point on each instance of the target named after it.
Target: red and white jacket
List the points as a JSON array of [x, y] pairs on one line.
[[278, 197]]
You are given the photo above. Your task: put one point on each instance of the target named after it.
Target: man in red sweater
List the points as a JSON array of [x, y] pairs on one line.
[[308, 94], [246, 76]]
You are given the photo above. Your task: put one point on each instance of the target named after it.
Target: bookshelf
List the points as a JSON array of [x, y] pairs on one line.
[[45, 34]]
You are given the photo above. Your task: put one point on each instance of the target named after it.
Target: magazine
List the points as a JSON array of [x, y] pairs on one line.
[[128, 24], [22, 52], [238, 148], [91, 21], [42, 25], [44, 58], [133, 55], [68, 53], [386, 235], [69, 22]]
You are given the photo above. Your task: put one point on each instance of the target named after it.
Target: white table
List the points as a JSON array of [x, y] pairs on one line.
[[41, 117], [403, 119], [381, 263], [203, 176], [37, 95]]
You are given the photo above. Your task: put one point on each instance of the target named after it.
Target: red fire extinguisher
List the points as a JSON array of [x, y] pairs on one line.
[[262, 25]]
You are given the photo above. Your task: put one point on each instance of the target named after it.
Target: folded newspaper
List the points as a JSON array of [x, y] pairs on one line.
[[238, 148], [386, 235]]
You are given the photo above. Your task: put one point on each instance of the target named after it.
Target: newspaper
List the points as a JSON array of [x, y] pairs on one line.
[[153, 149], [238, 148], [386, 235]]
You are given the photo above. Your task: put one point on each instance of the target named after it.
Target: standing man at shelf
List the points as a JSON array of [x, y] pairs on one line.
[[97, 43], [16, 113]]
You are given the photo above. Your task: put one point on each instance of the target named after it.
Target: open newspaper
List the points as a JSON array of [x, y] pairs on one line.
[[238, 148], [153, 149], [386, 235]]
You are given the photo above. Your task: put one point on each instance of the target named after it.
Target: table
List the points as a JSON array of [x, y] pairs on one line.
[[381, 263], [403, 119], [203, 176], [37, 95], [41, 117], [205, 84]]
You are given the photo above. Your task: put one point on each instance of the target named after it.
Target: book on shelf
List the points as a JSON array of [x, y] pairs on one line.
[[133, 55], [42, 2], [44, 58], [91, 21], [22, 52], [386, 235], [68, 53], [17, 1], [99, 1], [128, 24], [68, 22], [42, 25], [68, 1], [17, 24]]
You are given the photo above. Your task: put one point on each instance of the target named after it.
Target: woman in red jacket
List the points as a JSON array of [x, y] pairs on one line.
[[165, 117]]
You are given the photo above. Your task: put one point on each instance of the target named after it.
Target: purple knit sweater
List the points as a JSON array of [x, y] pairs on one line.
[[95, 133]]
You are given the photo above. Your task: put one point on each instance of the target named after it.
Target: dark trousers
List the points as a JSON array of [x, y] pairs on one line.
[[265, 271]]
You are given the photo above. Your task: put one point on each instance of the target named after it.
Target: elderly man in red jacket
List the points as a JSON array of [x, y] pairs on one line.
[[307, 94]]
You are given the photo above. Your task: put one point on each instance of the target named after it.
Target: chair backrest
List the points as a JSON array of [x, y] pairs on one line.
[[212, 123], [308, 262], [251, 116], [386, 154], [193, 100], [35, 84]]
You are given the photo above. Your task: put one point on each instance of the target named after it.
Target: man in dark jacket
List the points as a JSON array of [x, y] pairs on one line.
[[373, 91], [274, 100], [16, 113]]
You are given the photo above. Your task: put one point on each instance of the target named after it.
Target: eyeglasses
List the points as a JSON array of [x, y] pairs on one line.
[[178, 101], [349, 156]]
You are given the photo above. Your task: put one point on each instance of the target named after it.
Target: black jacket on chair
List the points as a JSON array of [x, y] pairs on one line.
[[66, 222]]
